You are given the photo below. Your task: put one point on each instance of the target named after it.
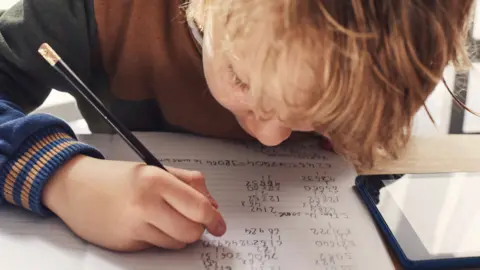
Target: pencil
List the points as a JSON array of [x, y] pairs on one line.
[[61, 67]]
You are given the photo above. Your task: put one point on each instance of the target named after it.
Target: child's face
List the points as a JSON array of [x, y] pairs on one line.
[[228, 79], [341, 67]]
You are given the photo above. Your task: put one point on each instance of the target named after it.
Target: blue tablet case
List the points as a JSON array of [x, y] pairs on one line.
[[406, 263]]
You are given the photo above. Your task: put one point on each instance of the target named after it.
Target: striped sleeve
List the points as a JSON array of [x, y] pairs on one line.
[[23, 177]]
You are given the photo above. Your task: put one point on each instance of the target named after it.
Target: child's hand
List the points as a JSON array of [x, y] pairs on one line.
[[128, 206]]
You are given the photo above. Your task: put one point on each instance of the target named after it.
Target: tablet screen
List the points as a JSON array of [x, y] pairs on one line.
[[433, 216]]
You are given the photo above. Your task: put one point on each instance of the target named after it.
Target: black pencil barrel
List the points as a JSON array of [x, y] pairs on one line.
[[124, 133]]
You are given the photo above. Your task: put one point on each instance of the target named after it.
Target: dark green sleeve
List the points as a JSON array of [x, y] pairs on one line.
[[34, 146], [67, 25]]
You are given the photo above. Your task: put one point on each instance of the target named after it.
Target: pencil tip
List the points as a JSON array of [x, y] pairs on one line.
[[48, 54]]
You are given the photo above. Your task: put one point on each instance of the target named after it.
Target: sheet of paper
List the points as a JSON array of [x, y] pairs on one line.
[[28, 242], [286, 208]]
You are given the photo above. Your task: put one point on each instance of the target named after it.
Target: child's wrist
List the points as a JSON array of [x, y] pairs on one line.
[[55, 193]]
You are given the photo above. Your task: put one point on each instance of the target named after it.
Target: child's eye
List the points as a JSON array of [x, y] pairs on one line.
[[237, 81]]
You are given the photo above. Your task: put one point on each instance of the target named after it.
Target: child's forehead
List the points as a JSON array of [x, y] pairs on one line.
[[283, 65], [282, 86]]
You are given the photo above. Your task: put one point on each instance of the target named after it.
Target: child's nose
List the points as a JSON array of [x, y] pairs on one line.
[[271, 133]]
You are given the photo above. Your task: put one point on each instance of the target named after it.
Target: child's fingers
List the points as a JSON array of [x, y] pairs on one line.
[[167, 219], [192, 204], [195, 179], [152, 235]]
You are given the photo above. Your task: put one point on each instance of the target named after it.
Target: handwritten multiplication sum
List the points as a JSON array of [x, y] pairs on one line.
[[331, 237], [233, 163], [257, 250], [263, 195], [322, 198], [335, 261], [318, 177], [265, 183], [323, 206], [335, 245], [261, 239], [322, 195], [223, 259]]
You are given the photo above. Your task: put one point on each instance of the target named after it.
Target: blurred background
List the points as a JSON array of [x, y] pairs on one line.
[[448, 116]]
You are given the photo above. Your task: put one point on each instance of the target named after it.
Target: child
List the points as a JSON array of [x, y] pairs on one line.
[[354, 71]]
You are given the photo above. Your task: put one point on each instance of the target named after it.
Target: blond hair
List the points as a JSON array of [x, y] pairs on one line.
[[366, 66]]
